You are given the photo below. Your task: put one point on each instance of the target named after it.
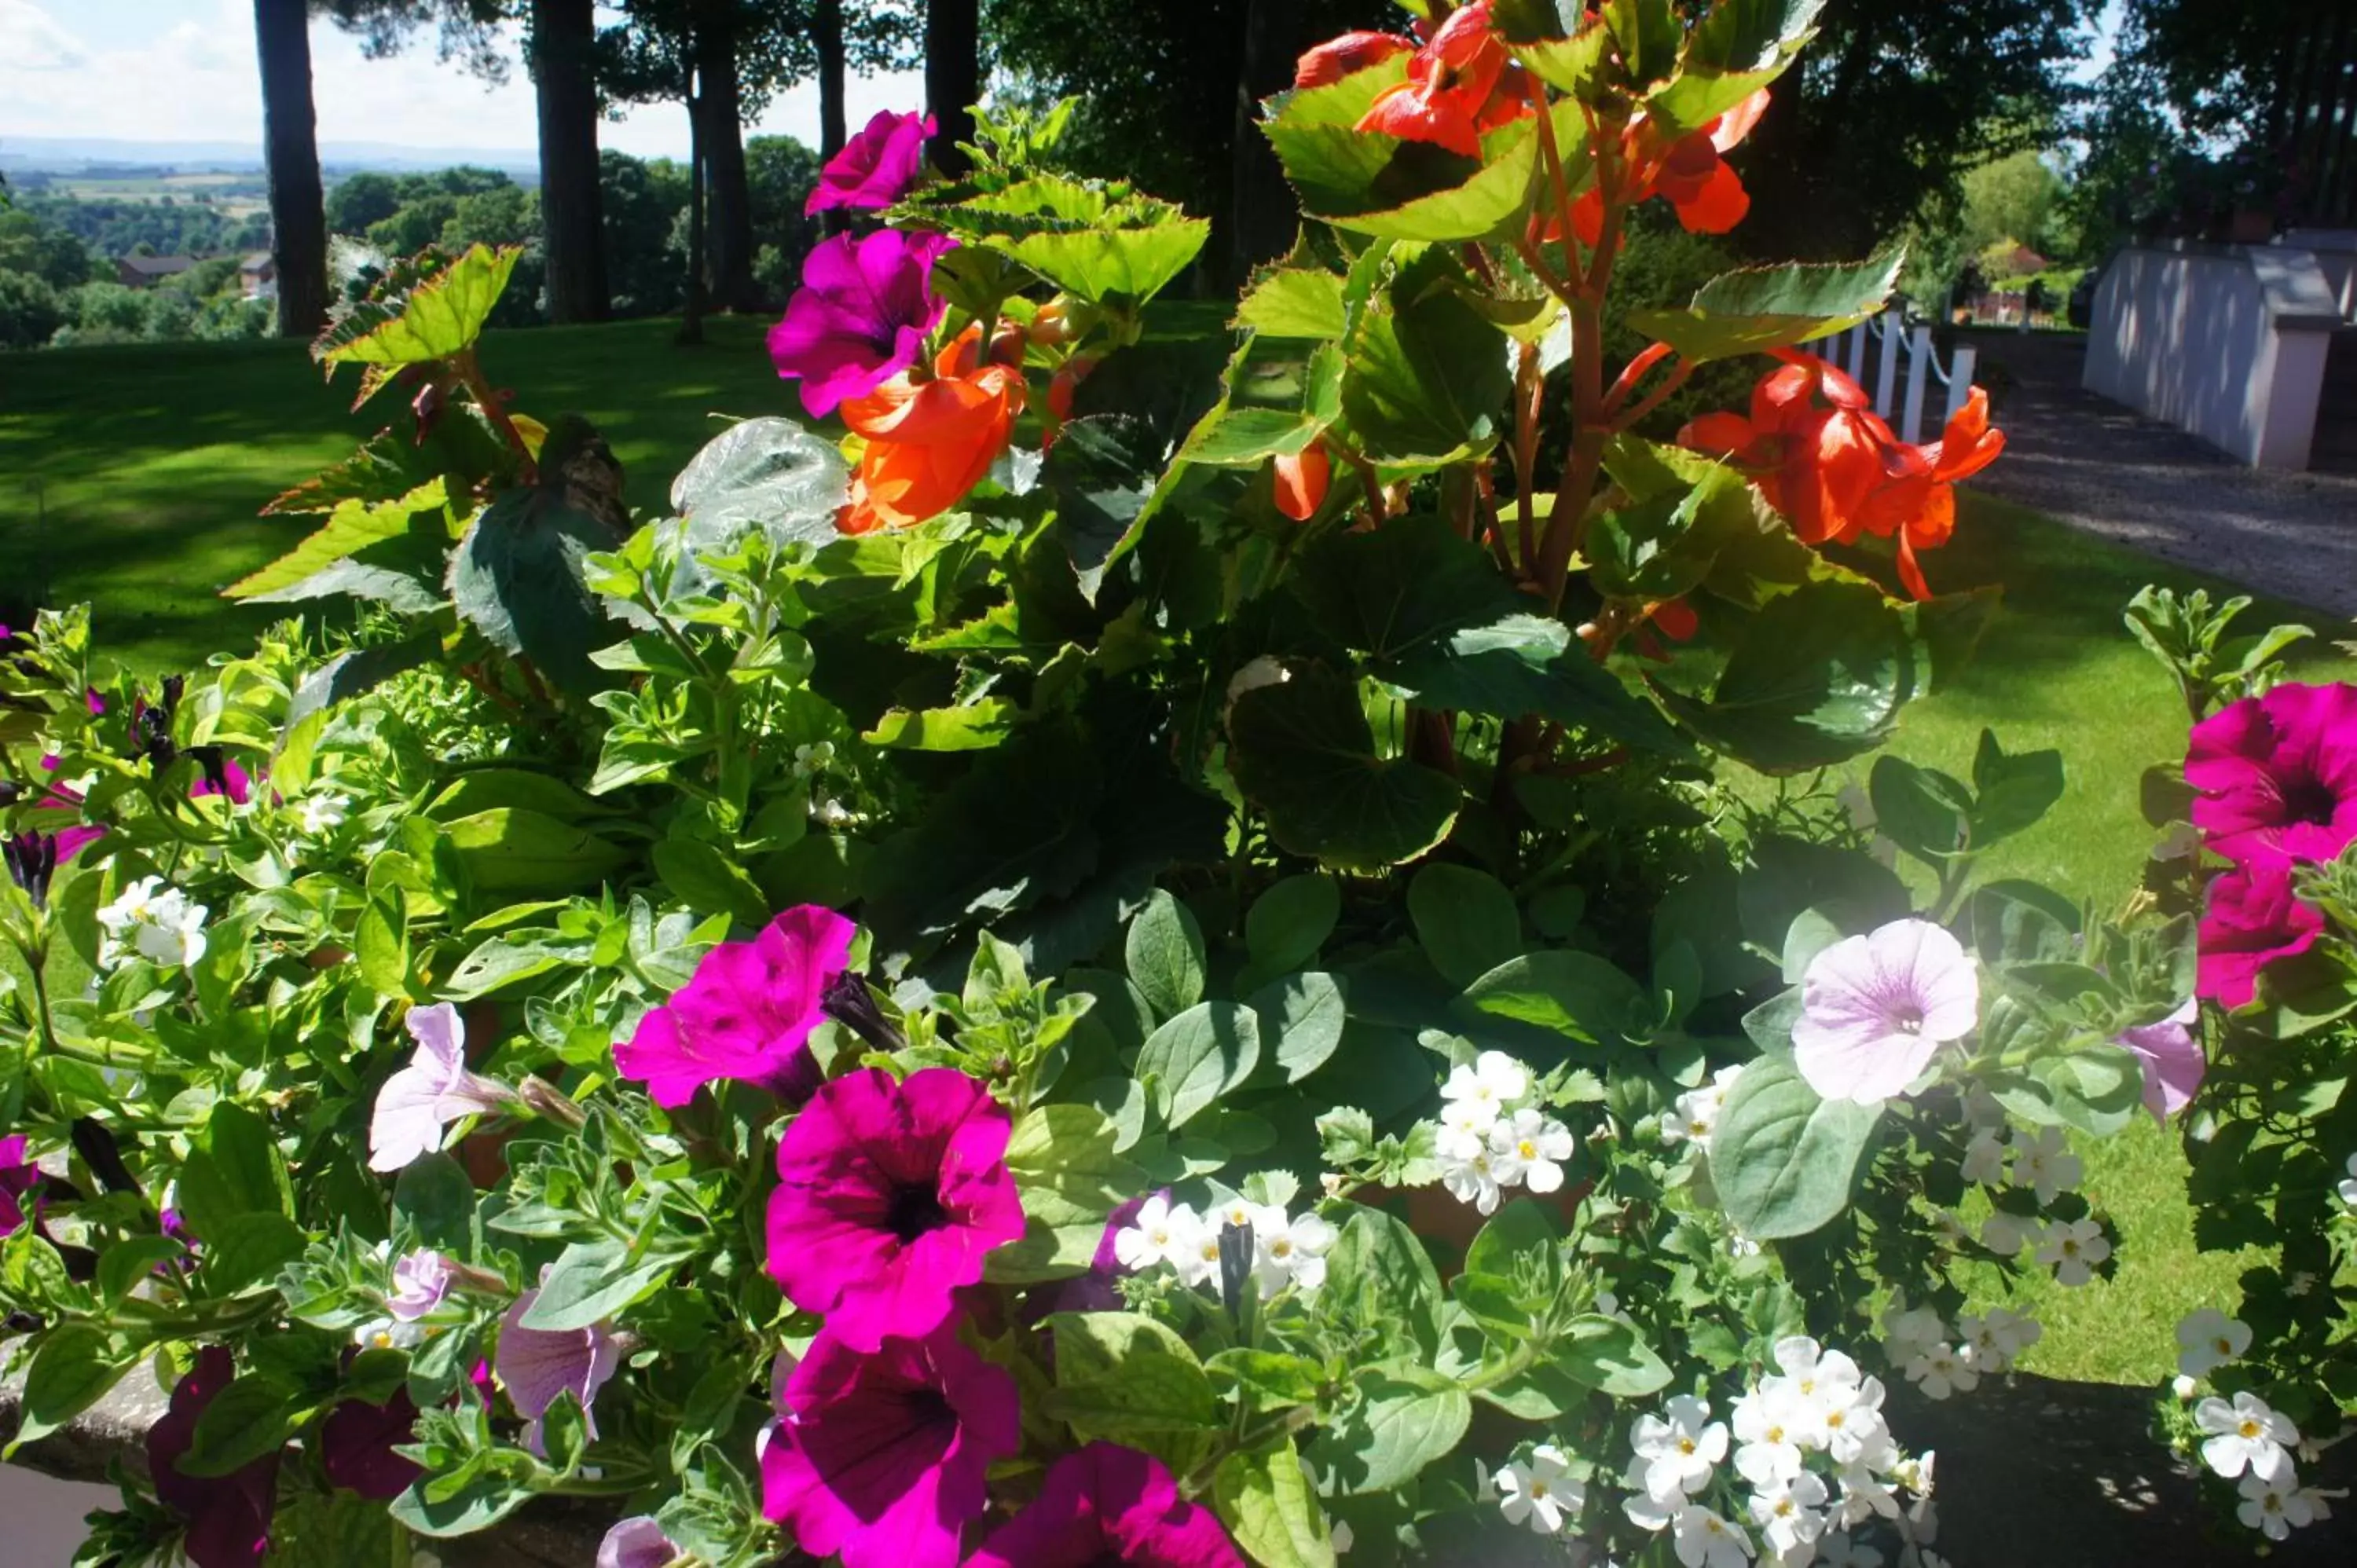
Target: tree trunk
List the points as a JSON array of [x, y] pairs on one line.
[[691, 321], [952, 76], [722, 138], [1262, 225], [290, 141], [826, 42], [564, 34]]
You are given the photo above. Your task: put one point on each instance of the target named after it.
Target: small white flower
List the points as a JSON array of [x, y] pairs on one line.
[[1819, 1382], [2006, 1234], [1679, 1451], [2184, 1388], [2207, 1340], [1494, 1079], [2246, 1434], [2043, 1163], [2073, 1248], [1911, 1331], [1705, 1540], [1863, 1495], [1465, 1126], [157, 922], [1789, 1513], [1697, 1112], [1983, 1162], [1538, 1495], [1648, 1509], [1529, 1148], [2349, 1187], [1768, 1433], [1941, 1371], [1915, 1474], [1992, 1343], [1242, 1213], [389, 1334], [2274, 1508], [318, 815], [1471, 1178], [1291, 1252], [1163, 1232], [1852, 1428]]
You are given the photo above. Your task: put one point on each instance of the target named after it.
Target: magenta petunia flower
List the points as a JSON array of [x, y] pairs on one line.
[[2253, 918], [20, 1179], [219, 775], [880, 1459], [535, 1365], [357, 1443], [2278, 775], [889, 1194], [229, 1516], [2171, 1057], [1874, 1008], [420, 1281], [1103, 1505], [434, 1090], [877, 167], [861, 315], [636, 1543], [747, 1012]]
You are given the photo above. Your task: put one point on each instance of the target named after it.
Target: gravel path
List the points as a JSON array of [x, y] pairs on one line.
[[2100, 466]]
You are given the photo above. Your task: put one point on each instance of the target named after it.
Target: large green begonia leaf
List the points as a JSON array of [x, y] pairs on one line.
[[1760, 308], [1302, 751]]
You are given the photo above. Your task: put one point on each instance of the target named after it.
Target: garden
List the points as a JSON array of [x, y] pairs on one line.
[[1110, 930]]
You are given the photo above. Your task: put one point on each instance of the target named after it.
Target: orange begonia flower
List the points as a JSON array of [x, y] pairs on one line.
[[1333, 60], [929, 442], [1823, 458], [1690, 172], [1459, 85], [1302, 478]]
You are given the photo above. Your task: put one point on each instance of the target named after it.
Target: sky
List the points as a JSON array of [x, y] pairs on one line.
[[184, 70]]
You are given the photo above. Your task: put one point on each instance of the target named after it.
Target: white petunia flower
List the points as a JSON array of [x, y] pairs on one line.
[[2274, 1508], [2207, 1340], [1789, 1514], [1471, 1178], [1291, 1252], [1494, 1079], [1705, 1540], [1163, 1232], [2043, 1163], [1528, 1149], [1983, 1162], [1941, 1371], [2073, 1248], [1992, 1344], [1538, 1495], [1679, 1451], [2246, 1434]]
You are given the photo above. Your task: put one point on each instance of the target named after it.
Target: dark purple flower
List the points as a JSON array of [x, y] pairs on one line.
[[2255, 918], [2277, 774], [877, 167], [747, 1012], [19, 1179], [32, 862], [357, 1443], [229, 1516], [1107, 1504], [861, 315]]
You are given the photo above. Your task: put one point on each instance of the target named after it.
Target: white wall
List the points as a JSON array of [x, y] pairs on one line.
[[44, 1516], [2228, 342]]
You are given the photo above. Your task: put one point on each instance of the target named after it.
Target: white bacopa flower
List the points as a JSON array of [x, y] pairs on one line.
[[1853, 1428], [1494, 1080], [2006, 1234], [1941, 1371], [1243, 1214], [2349, 1188], [1645, 1508], [1679, 1451], [154, 921], [1789, 1513], [2184, 1388], [318, 815], [1529, 1148], [1470, 1178], [1767, 1436], [2043, 1163], [1163, 1234], [1705, 1540], [2073, 1248], [1984, 1161], [2275, 1507], [1992, 1344], [1291, 1252], [2246, 1434], [1915, 1474], [389, 1334], [1818, 1380], [1911, 1331], [1465, 1126], [1836, 1550], [1696, 1116], [1863, 1495], [2207, 1340], [1538, 1495], [1200, 1266]]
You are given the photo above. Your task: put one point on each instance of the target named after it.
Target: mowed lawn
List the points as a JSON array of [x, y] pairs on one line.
[[130, 476]]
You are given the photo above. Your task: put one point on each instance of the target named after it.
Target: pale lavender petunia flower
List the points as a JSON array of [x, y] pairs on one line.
[[420, 1281], [434, 1090], [636, 1543], [1874, 1008], [2171, 1054], [535, 1365]]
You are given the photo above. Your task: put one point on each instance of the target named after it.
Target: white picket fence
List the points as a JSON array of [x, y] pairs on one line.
[[1848, 351]]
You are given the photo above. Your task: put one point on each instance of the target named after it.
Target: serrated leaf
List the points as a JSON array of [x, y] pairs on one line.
[[351, 528], [1302, 751], [437, 317], [1098, 240], [1760, 308], [1294, 302], [973, 727]]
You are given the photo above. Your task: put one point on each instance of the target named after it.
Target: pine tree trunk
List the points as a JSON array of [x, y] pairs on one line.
[[299, 214], [826, 42], [722, 136], [952, 76], [564, 34]]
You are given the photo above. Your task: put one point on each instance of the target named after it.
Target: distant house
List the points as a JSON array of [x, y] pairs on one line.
[[146, 271], [259, 276]]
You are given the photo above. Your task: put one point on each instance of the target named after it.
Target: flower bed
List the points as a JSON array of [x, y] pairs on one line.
[[1151, 958]]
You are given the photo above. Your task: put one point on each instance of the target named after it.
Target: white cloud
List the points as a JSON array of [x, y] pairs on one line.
[[158, 70]]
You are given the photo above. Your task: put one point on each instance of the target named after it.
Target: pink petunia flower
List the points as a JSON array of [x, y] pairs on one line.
[[1874, 1008], [2171, 1057], [229, 1516], [746, 1013], [535, 1365], [2253, 918], [889, 1194], [636, 1543], [420, 1281], [2278, 775], [861, 315], [357, 1443], [434, 1090], [20, 1183], [875, 168], [1108, 1504], [880, 1459]]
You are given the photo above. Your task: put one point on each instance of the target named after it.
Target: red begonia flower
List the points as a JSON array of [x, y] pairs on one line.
[[1459, 85], [1302, 478], [929, 442]]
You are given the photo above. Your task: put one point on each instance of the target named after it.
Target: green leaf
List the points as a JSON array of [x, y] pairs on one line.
[[1465, 921], [1576, 995], [1305, 1015], [1401, 587], [1197, 1057], [1103, 471], [521, 578], [1609, 1356], [1164, 953], [351, 527], [1760, 308], [486, 1497], [708, 882], [1288, 923], [1649, 33], [2097, 1089], [1575, 65], [1099, 239], [973, 727], [1045, 1253], [1921, 810], [235, 1170], [1529, 664], [439, 319], [1741, 46], [1266, 1382], [1427, 375], [1303, 753], [130, 1263], [1294, 302], [245, 1422], [73, 1368], [515, 853], [380, 942], [1667, 542], [1379, 1282], [1062, 1159], [1264, 1499], [592, 1280], [1127, 1378], [434, 1197], [248, 1249], [1782, 1159], [2011, 791], [1404, 1418]]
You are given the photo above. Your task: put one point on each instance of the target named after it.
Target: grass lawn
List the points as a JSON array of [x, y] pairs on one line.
[[130, 477]]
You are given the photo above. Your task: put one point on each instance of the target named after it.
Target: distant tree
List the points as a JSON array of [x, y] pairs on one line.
[[642, 202], [42, 250], [360, 200], [30, 310], [779, 173]]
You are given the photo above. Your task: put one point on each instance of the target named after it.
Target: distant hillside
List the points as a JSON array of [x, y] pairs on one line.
[[103, 155]]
